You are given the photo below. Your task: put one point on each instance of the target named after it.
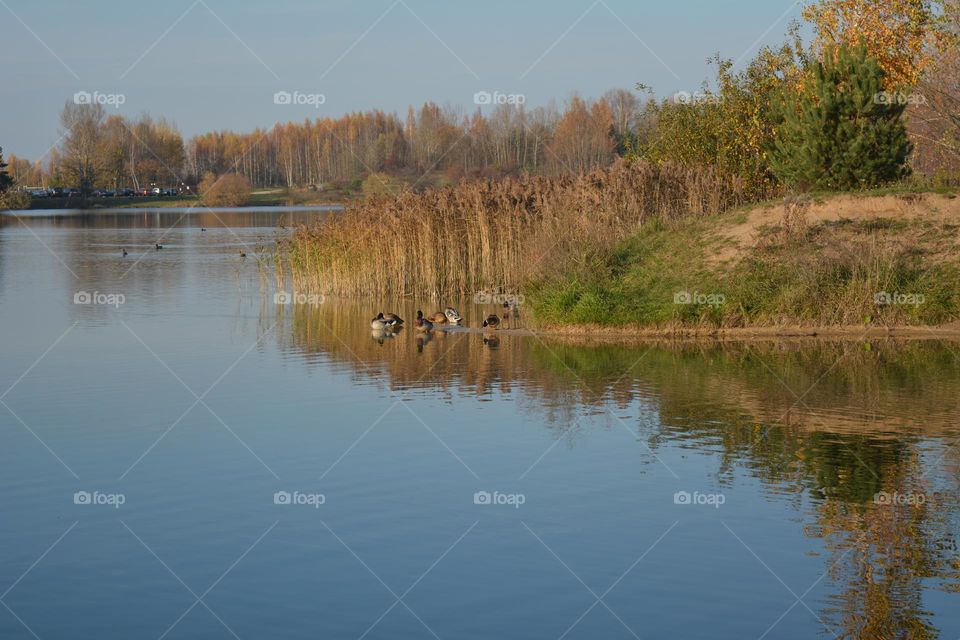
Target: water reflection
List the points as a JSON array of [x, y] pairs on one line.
[[863, 434], [837, 441]]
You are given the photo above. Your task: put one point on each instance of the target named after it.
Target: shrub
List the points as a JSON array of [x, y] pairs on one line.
[[731, 128], [14, 200], [381, 184], [229, 190]]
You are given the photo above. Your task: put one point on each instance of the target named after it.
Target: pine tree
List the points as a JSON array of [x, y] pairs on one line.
[[5, 180], [843, 131]]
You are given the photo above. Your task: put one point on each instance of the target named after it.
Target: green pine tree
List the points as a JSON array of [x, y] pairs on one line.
[[5, 180], [845, 131]]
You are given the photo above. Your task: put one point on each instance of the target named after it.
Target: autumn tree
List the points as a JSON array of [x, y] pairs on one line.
[[582, 139], [731, 127], [229, 190], [81, 143], [839, 135], [901, 35], [934, 113]]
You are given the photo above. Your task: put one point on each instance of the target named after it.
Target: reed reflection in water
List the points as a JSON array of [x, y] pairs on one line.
[[859, 436]]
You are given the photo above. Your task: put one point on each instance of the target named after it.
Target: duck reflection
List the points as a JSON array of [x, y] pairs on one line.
[[867, 417]]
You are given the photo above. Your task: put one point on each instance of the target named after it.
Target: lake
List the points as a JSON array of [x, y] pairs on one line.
[[185, 457]]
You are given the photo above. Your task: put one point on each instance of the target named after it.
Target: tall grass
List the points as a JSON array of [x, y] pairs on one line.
[[495, 235]]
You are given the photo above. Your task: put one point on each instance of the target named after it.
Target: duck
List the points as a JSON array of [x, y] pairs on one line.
[[511, 308], [422, 324], [438, 318], [203, 228], [492, 321], [125, 253], [242, 254], [393, 319], [380, 323], [159, 246], [452, 315]]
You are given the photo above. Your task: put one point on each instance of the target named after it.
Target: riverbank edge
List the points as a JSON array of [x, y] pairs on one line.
[[598, 333]]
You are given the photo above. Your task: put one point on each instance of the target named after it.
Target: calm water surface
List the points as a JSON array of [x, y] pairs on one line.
[[200, 462]]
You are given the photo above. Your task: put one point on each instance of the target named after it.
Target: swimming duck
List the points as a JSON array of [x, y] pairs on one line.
[[379, 323], [453, 316], [159, 246], [124, 253], [492, 321], [242, 254], [438, 318], [422, 324], [393, 319]]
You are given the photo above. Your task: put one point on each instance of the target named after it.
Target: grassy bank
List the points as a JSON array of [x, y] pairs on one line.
[[840, 261]]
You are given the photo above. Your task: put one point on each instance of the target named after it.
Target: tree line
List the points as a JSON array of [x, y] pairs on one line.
[[115, 151], [877, 86]]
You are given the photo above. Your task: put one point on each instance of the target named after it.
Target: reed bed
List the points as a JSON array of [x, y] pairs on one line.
[[494, 236]]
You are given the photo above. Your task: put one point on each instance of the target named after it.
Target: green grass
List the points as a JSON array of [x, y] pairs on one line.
[[824, 275]]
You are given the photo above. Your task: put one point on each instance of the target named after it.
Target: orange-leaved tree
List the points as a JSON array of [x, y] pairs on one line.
[[903, 36]]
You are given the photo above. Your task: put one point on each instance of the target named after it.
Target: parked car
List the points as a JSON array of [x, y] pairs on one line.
[[126, 193]]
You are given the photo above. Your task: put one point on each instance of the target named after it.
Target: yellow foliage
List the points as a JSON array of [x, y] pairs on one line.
[[901, 35]]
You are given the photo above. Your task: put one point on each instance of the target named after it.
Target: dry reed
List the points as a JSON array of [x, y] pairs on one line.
[[494, 235]]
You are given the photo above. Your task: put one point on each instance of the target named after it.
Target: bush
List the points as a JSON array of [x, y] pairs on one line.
[[14, 200], [729, 129], [229, 190], [381, 184]]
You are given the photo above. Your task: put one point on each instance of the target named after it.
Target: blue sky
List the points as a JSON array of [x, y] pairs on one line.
[[216, 64]]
